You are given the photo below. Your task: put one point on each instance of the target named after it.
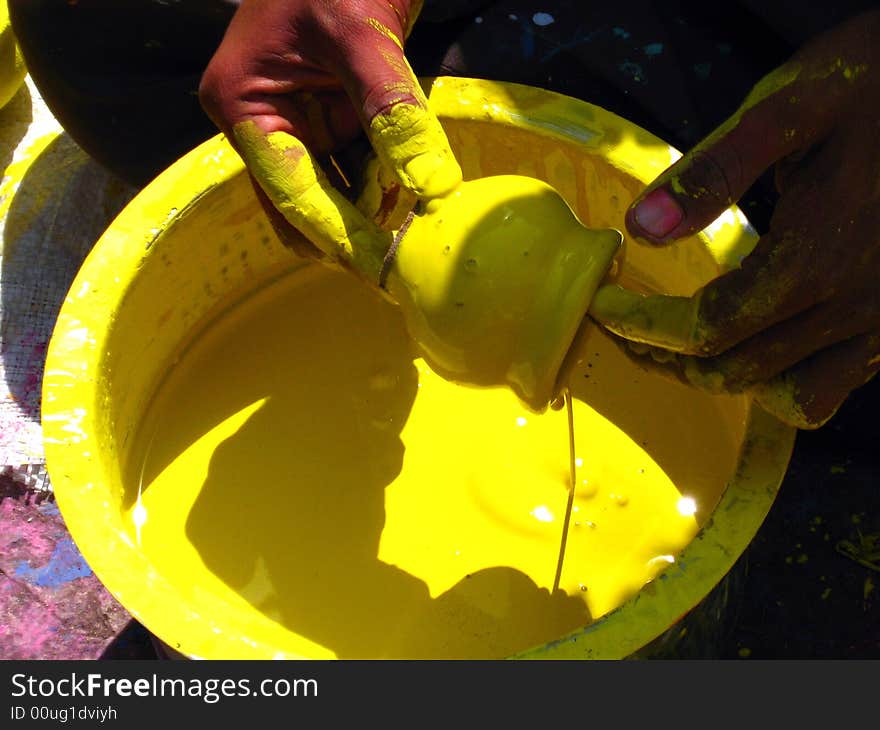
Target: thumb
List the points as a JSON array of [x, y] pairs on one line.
[[787, 111], [705, 182], [404, 132], [773, 122]]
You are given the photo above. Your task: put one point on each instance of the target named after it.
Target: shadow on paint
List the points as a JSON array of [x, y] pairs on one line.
[[293, 523]]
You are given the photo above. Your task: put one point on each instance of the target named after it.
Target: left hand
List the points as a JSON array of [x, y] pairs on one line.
[[297, 78], [799, 323]]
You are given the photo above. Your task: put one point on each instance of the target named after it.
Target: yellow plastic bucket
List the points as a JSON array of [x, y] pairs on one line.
[[195, 242]]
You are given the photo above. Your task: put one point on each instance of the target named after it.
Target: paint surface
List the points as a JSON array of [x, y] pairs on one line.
[[302, 462]]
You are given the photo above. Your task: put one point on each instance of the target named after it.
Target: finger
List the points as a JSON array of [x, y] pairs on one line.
[[784, 276], [296, 185], [776, 349], [656, 319], [789, 110], [809, 394], [287, 234], [767, 353], [406, 135]]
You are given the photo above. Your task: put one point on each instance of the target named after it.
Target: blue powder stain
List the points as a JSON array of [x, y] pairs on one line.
[[702, 70], [632, 69], [653, 49], [49, 508], [65, 564], [620, 33]]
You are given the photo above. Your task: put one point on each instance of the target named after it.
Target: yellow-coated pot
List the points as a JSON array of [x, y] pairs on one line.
[[195, 243]]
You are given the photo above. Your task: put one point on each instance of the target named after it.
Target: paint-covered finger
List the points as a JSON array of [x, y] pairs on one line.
[[664, 321], [405, 133], [809, 394], [298, 188]]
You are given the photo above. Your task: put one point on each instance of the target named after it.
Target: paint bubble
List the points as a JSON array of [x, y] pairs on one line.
[[619, 499], [587, 489], [471, 265]]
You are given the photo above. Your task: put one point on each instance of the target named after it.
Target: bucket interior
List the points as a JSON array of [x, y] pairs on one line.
[[274, 472]]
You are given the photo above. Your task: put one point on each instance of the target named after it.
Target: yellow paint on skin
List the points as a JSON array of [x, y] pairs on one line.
[[656, 319], [298, 187], [772, 83], [385, 31], [411, 142], [349, 493]]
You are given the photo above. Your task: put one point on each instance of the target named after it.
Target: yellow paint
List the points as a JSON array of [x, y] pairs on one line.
[[298, 187], [194, 243], [385, 31], [494, 281], [372, 508], [411, 142], [654, 319], [12, 68]]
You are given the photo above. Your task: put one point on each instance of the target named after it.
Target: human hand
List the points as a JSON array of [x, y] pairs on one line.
[[798, 324], [295, 77]]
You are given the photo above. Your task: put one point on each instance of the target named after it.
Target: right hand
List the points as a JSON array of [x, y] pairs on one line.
[[798, 323], [294, 77]]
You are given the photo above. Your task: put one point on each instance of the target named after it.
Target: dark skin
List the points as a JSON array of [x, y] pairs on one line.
[[322, 71], [798, 324]]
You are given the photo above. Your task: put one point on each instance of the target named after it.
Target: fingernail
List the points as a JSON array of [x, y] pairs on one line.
[[658, 214], [433, 175]]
